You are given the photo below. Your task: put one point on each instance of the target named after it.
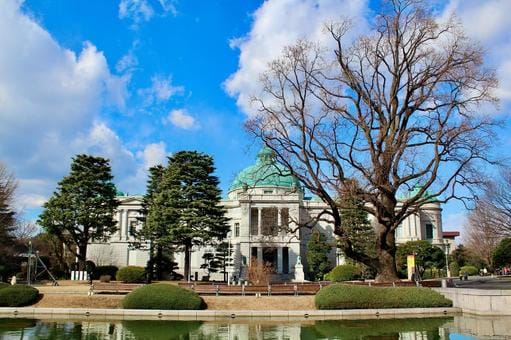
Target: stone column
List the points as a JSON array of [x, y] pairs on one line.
[[279, 224], [279, 259], [259, 214], [260, 255], [126, 226], [119, 225]]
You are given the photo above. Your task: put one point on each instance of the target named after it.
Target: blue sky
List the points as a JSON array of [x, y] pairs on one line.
[[135, 80]]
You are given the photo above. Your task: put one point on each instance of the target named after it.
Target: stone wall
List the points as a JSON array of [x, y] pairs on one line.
[[479, 301]]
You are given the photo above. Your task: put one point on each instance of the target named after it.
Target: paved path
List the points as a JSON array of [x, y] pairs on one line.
[[485, 282]]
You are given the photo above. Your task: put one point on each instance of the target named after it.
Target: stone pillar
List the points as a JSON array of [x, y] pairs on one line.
[[119, 225], [260, 255], [259, 214], [279, 258], [126, 226]]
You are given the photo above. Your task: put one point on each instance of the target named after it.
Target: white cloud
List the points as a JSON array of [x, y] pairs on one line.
[[488, 23], [278, 24], [50, 98], [181, 119], [153, 154], [161, 90], [139, 11]]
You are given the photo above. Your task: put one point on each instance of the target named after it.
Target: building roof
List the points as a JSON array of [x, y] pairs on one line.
[[266, 172], [448, 234]]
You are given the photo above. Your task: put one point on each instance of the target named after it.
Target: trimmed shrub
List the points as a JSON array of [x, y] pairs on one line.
[[470, 270], [104, 270], [4, 285], [340, 296], [454, 268], [162, 296], [131, 274], [344, 272], [18, 295]]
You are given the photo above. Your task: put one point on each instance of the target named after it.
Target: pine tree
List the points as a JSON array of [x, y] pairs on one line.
[[83, 206], [154, 229], [317, 255], [7, 223], [187, 204]]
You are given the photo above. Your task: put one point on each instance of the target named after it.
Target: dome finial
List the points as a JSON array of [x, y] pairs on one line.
[[266, 154]]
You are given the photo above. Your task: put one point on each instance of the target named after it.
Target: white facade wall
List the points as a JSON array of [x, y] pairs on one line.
[[239, 204]]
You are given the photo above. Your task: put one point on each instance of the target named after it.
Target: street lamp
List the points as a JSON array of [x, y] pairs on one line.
[[447, 246]]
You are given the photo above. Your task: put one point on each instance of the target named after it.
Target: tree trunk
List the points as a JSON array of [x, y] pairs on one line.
[[159, 262], [386, 252], [188, 248], [82, 256]]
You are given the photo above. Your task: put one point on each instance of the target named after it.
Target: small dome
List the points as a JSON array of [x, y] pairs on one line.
[[427, 195], [266, 172]]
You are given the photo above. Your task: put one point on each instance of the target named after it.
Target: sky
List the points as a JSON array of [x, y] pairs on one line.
[[136, 80]]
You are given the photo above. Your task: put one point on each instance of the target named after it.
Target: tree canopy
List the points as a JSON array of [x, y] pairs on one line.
[[427, 256], [502, 254], [395, 108], [185, 210], [82, 207]]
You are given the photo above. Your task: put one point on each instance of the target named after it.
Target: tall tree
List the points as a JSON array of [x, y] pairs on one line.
[[317, 255], [7, 221], [83, 206], [154, 228], [502, 254], [187, 204], [395, 108]]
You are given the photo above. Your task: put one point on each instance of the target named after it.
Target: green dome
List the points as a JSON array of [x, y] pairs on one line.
[[266, 172], [415, 191]]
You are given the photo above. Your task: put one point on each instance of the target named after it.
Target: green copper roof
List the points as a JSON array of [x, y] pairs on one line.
[[415, 191], [266, 172]]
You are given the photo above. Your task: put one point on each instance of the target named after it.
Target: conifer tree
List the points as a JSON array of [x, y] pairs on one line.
[[317, 255], [83, 206], [187, 204], [7, 222]]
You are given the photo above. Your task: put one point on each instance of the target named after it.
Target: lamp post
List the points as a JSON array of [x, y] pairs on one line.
[[447, 246]]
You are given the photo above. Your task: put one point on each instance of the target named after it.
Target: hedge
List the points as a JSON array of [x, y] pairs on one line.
[[18, 295], [339, 296], [470, 270], [4, 285], [131, 274], [344, 272], [104, 270], [162, 296]]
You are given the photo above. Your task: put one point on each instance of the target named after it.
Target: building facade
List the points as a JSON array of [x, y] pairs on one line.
[[266, 208]]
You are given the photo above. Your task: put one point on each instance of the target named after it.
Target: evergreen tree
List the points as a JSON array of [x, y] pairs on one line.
[[356, 225], [186, 204], [502, 254], [317, 255], [154, 229], [83, 206], [7, 224], [427, 256]]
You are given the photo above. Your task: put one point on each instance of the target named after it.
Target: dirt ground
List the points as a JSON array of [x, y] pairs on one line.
[[214, 302]]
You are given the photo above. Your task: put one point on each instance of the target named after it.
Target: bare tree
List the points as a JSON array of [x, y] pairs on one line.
[[396, 108]]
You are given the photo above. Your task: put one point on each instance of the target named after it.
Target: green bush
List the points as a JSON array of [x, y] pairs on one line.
[[340, 296], [162, 296], [470, 270], [104, 270], [454, 268], [131, 274], [4, 285], [344, 272], [18, 295]]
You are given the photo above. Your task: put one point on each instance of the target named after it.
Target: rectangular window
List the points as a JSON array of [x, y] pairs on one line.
[[253, 254], [254, 221], [236, 230], [133, 228], [285, 260], [399, 231], [269, 221], [429, 231], [284, 217]]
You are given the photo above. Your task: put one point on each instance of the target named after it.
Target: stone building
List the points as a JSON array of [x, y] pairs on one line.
[[265, 205]]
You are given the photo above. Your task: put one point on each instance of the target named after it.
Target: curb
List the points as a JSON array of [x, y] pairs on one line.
[[142, 314]]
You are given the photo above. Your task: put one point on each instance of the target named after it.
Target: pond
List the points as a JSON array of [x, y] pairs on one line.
[[458, 328]]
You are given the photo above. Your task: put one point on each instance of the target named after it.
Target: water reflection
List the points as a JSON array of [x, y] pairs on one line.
[[457, 328]]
